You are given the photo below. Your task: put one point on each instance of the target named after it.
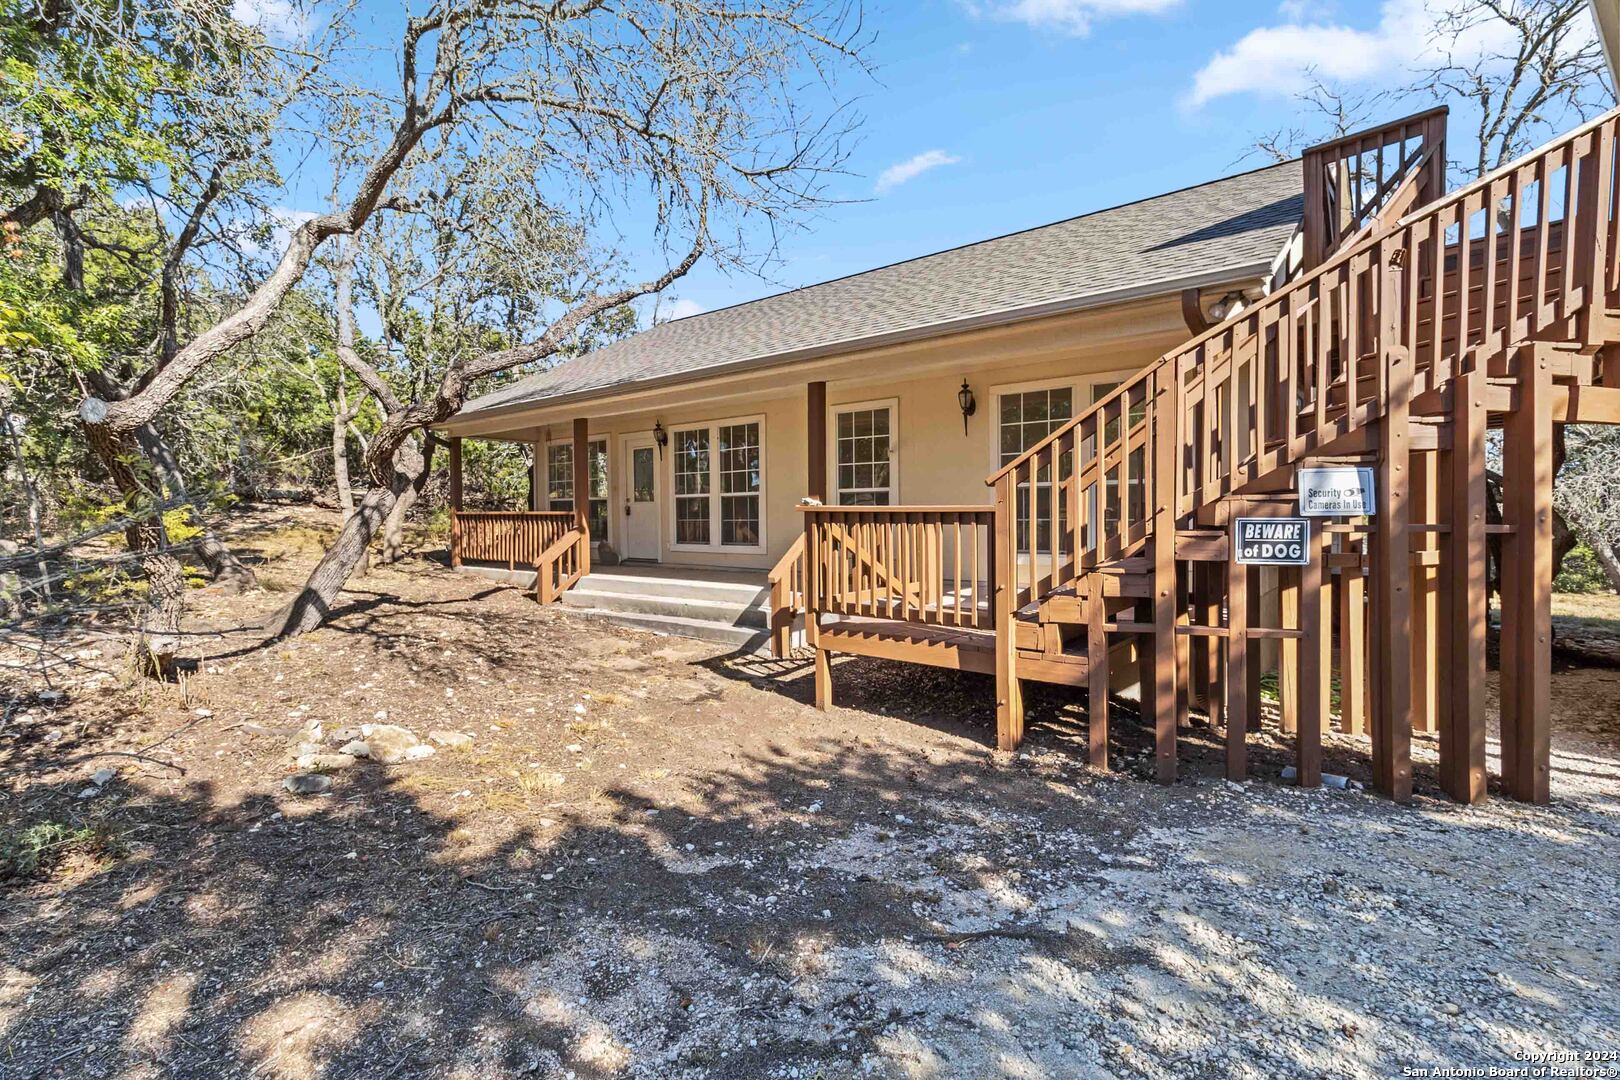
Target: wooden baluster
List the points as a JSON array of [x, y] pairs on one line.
[[1541, 308]]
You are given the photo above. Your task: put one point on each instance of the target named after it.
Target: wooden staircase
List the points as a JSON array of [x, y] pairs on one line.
[[1410, 323], [1490, 307]]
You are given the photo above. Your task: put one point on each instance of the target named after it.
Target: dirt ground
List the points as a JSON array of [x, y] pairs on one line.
[[653, 859]]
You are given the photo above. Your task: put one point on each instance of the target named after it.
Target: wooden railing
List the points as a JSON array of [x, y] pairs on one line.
[[1322, 358], [561, 564], [786, 581], [915, 564], [514, 537], [1351, 181]]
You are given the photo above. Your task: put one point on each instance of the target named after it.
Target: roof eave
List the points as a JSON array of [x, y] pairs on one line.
[[1144, 291]]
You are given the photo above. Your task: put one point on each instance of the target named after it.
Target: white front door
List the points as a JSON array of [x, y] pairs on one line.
[[641, 514]]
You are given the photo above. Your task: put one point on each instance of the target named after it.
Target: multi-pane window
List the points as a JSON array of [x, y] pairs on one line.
[[865, 472], [1027, 417], [739, 484], [719, 485], [692, 485], [560, 482]]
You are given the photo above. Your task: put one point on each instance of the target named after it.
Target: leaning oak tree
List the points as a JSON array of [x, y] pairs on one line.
[[685, 115]]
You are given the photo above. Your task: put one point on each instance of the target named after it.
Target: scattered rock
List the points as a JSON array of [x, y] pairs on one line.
[[418, 752], [307, 784], [355, 749], [103, 777], [388, 743], [450, 740], [325, 762]]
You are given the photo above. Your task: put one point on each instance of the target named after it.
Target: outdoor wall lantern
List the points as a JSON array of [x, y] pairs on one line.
[[660, 436], [964, 398]]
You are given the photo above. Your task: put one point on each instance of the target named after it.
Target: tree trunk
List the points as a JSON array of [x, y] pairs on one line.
[[313, 604], [157, 637], [224, 567], [1610, 562], [393, 540]]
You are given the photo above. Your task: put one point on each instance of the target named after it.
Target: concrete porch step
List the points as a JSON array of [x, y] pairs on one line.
[[742, 638], [718, 586], [743, 611]]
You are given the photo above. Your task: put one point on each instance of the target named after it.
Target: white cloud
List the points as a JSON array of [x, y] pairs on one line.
[[1282, 60], [1070, 16], [287, 20], [902, 171], [679, 308]]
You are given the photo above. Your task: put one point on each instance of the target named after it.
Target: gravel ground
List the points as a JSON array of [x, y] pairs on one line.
[[650, 860]]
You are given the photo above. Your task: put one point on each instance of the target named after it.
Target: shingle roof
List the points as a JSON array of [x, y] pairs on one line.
[[1229, 224]]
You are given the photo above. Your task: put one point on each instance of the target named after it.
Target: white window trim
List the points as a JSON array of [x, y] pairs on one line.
[[893, 405], [714, 426], [1080, 384], [545, 475]]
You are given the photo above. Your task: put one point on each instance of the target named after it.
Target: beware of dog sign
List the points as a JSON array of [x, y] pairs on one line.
[[1272, 541]]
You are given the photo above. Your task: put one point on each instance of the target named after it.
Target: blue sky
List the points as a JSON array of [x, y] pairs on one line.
[[989, 116], [1015, 114]]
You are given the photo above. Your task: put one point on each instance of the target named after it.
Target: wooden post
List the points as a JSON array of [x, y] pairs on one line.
[[1162, 651], [1391, 560], [816, 443], [824, 692], [1097, 676], [1009, 696], [582, 488], [1288, 651], [1425, 607], [1315, 659], [1527, 477], [1462, 731], [455, 501], [1237, 669], [1353, 649]]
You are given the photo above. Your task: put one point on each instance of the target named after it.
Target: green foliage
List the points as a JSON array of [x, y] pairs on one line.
[[33, 851], [76, 106], [1581, 573]]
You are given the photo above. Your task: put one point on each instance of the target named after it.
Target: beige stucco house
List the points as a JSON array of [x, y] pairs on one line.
[[705, 433]]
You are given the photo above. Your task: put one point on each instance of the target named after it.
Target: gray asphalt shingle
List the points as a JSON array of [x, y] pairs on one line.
[[1225, 224]]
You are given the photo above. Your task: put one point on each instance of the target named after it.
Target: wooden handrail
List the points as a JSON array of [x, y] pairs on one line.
[[786, 581], [1314, 355], [560, 565]]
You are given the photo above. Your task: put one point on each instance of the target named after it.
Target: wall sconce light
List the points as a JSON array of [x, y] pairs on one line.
[[661, 437], [964, 398]]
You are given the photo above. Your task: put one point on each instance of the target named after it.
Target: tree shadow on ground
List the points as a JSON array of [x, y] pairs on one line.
[[799, 908]]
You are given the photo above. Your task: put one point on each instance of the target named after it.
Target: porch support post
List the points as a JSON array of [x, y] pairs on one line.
[[1462, 732], [1158, 663], [1391, 560], [1527, 480], [582, 488], [816, 450], [1009, 694], [455, 500]]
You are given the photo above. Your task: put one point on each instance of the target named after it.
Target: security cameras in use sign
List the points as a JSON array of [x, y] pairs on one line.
[[1337, 491], [1272, 541]]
